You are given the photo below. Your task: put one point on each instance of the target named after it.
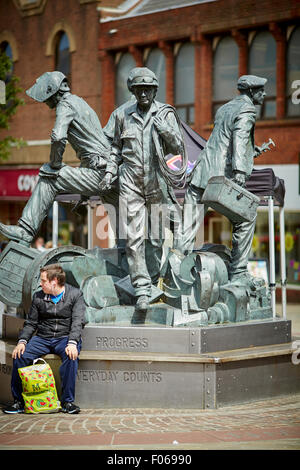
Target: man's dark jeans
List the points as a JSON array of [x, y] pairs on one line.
[[38, 347]]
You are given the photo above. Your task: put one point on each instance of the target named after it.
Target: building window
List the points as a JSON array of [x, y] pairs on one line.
[[225, 72], [62, 55], [293, 74], [124, 66], [157, 63], [6, 49], [185, 83], [262, 62]]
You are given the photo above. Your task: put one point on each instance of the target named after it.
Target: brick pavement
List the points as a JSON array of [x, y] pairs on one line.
[[268, 424]]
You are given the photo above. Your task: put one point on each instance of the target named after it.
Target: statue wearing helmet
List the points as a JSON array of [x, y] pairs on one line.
[[47, 86], [77, 123], [229, 153], [145, 131]]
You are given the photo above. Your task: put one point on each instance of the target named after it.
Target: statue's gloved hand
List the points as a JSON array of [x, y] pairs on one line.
[[48, 171], [258, 151], [239, 178], [105, 184], [160, 125], [79, 207]]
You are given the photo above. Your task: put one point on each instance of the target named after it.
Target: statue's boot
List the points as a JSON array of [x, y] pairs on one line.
[[142, 303], [245, 279], [140, 311], [16, 233]]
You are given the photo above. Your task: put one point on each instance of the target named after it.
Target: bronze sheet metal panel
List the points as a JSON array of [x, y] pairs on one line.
[[244, 335], [117, 384], [6, 364], [12, 326], [256, 379], [186, 340], [141, 339]]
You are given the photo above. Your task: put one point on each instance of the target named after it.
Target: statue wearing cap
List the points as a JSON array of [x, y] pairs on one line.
[[77, 123], [145, 131], [229, 152]]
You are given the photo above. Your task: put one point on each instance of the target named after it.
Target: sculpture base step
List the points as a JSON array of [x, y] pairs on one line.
[[110, 379], [187, 340]]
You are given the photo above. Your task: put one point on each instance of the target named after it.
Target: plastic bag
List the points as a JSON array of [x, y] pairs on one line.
[[39, 390]]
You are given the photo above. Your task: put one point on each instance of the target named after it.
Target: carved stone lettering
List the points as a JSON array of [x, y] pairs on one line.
[[122, 342], [127, 377], [97, 376], [142, 376]]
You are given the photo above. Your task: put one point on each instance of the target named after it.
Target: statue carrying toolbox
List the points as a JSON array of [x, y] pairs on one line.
[[230, 199]]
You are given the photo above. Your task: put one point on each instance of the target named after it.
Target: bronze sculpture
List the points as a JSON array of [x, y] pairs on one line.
[[127, 157], [229, 152], [142, 129], [78, 123]]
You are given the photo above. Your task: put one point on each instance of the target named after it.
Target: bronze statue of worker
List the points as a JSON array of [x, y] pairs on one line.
[[229, 152], [144, 131], [77, 123]]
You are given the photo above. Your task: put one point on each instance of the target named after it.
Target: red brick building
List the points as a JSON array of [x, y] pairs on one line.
[[198, 48], [46, 35]]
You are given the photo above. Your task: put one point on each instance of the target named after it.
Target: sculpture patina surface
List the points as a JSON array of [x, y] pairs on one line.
[[77, 123], [229, 152], [197, 287], [143, 130]]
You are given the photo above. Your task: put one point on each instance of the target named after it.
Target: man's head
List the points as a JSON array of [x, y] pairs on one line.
[[49, 88], [254, 87], [53, 279], [143, 83]]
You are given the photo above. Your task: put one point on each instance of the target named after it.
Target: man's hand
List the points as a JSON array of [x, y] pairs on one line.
[[19, 350], [239, 178], [105, 184], [71, 351]]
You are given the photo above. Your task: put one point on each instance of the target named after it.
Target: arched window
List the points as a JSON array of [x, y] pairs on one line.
[[124, 66], [157, 63], [225, 72], [262, 62], [5, 48], [62, 55], [293, 74], [185, 83]]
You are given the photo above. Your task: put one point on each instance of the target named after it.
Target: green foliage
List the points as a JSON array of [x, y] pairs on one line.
[[8, 109]]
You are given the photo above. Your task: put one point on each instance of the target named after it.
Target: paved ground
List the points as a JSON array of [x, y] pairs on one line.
[[269, 424]]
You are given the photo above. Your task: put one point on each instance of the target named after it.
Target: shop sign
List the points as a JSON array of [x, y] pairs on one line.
[[17, 184]]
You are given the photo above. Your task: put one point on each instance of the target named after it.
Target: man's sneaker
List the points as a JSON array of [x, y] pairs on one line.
[[17, 407], [70, 408]]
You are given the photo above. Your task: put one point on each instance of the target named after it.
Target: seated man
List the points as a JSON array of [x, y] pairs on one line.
[[57, 317]]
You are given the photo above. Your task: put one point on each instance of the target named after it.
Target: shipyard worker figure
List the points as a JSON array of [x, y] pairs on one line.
[[145, 131], [229, 152], [57, 317], [77, 123]]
